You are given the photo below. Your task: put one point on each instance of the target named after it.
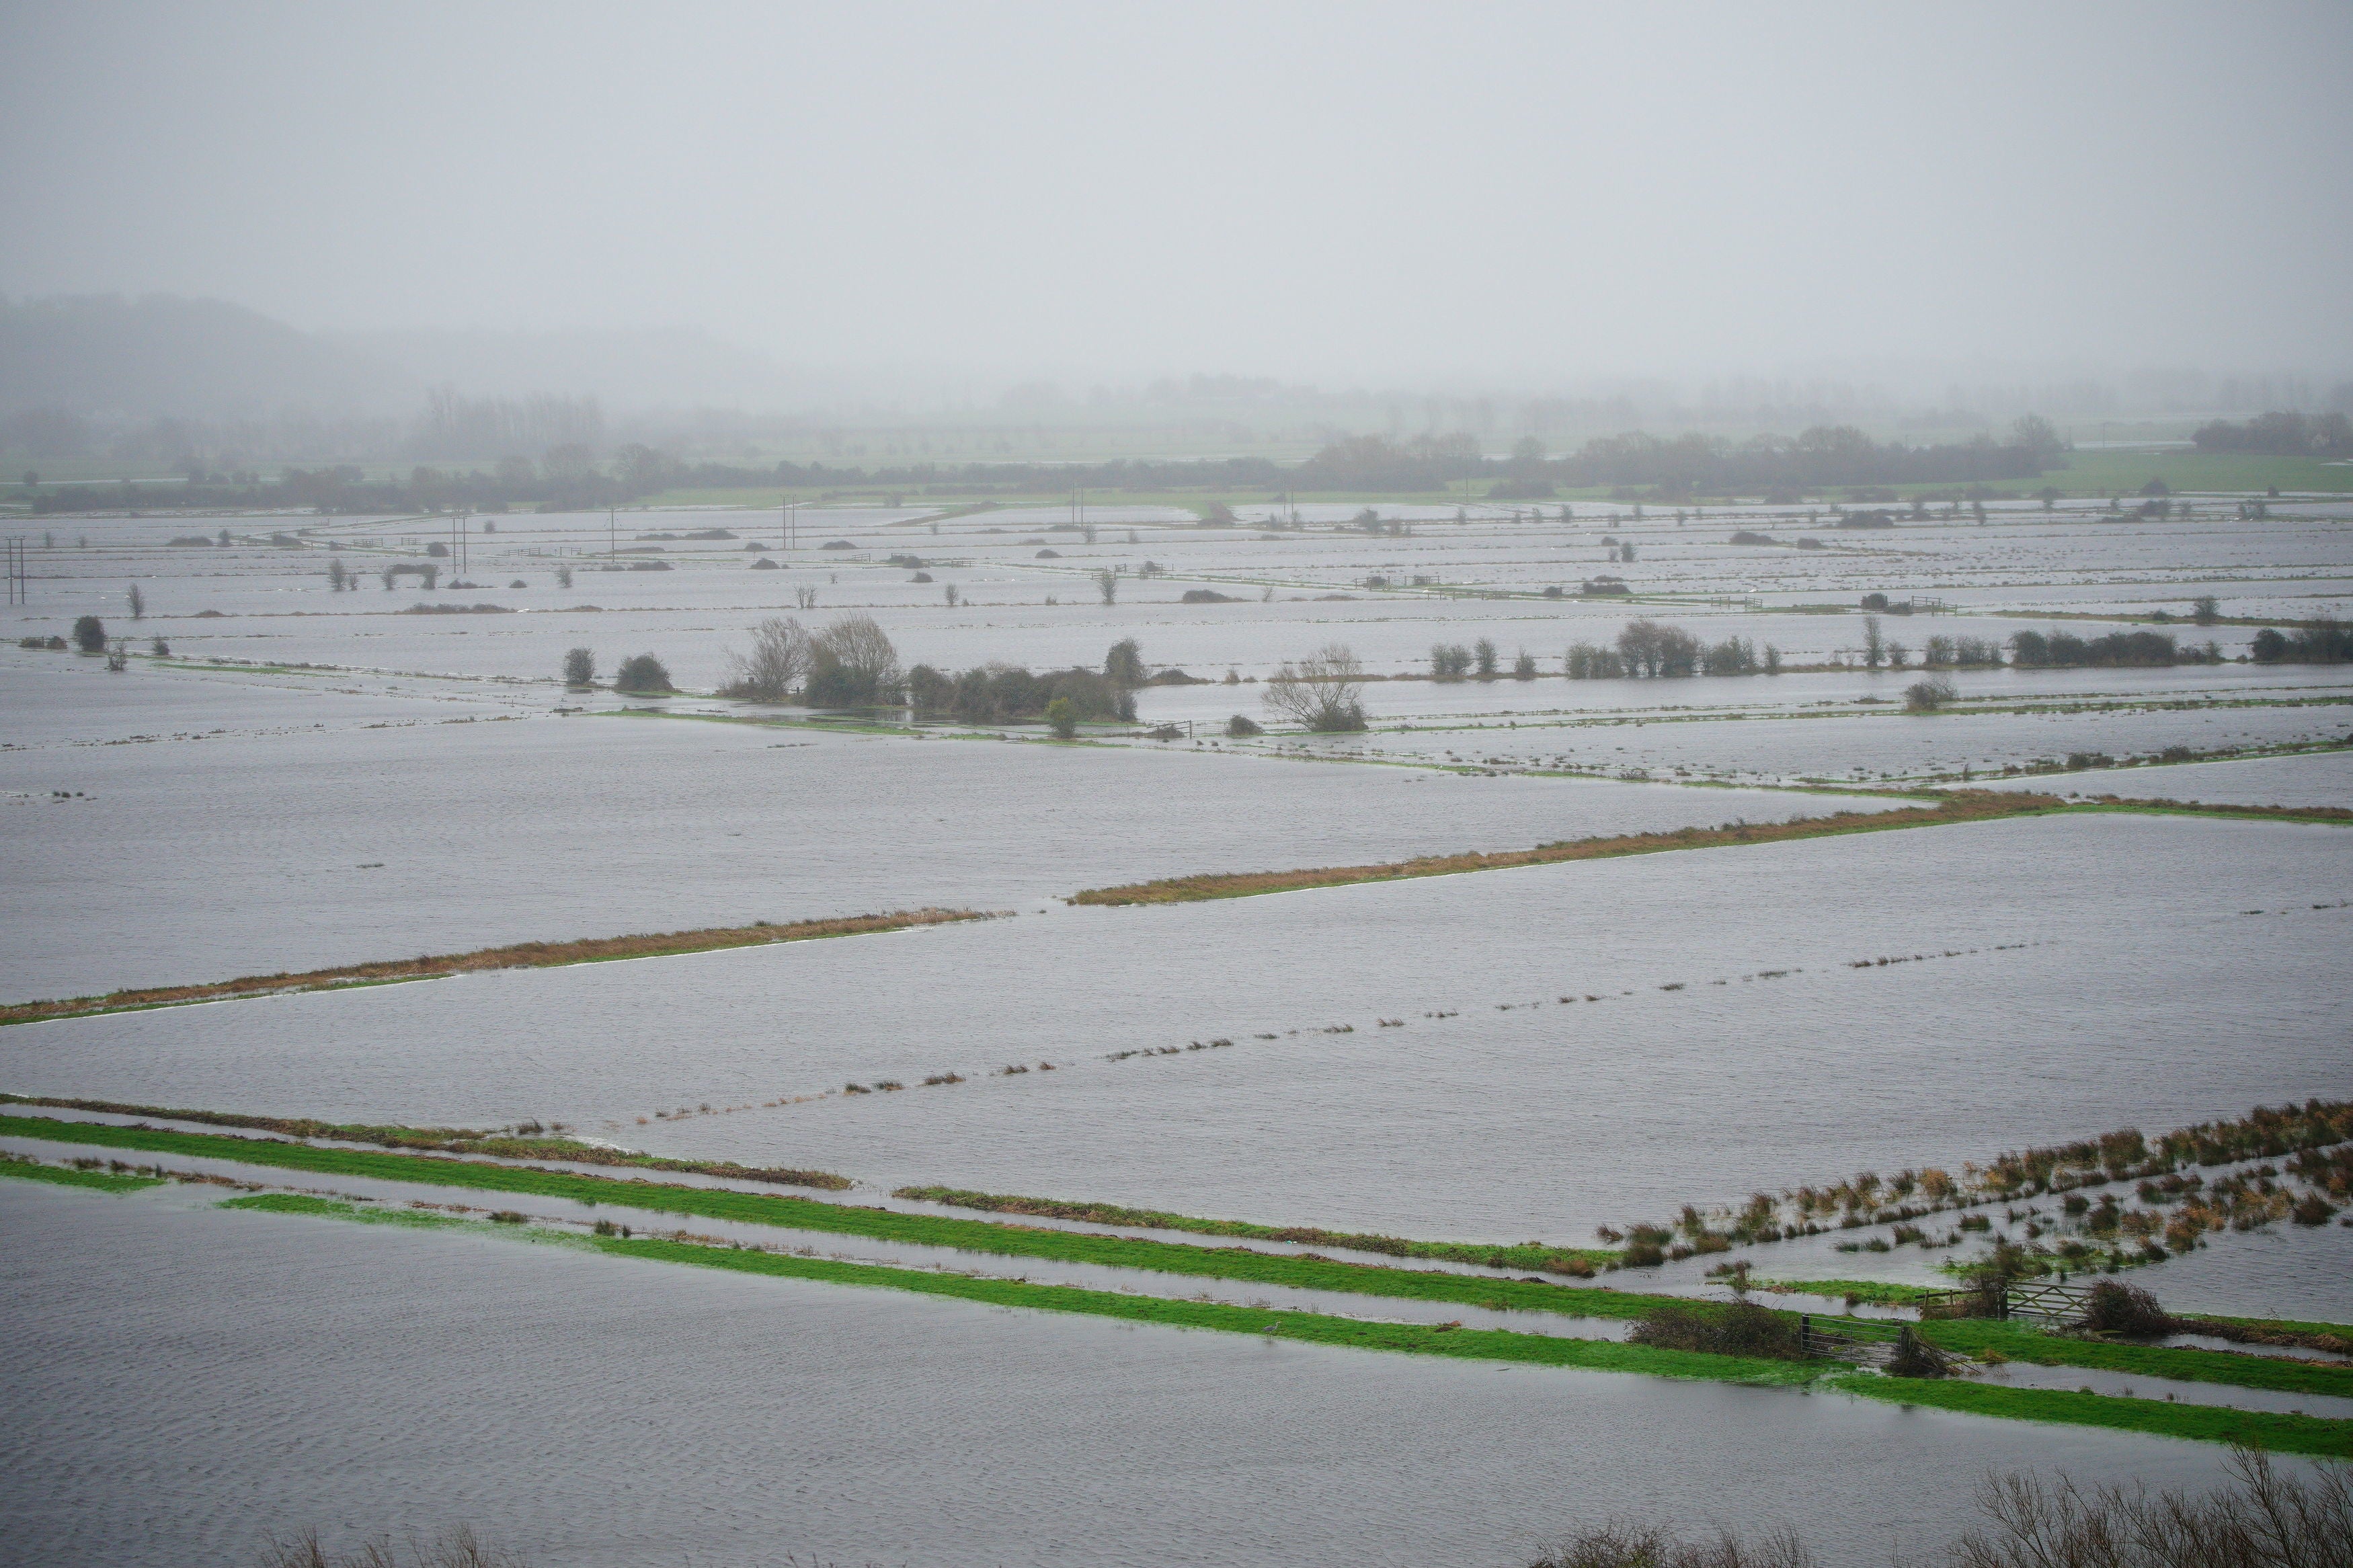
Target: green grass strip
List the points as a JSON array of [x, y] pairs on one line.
[[847, 1219], [1311, 1328], [302, 1203], [26, 1170], [450, 1140], [2285, 1374], [2190, 1322], [1240, 1264], [2278, 1434], [1536, 1255]]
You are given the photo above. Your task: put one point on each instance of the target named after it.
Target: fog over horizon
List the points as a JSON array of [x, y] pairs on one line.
[[963, 198]]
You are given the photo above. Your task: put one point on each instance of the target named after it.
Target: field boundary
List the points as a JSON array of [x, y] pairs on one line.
[[516, 955], [1972, 805]]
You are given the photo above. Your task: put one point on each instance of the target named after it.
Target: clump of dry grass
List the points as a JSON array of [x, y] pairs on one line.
[[453, 1548]]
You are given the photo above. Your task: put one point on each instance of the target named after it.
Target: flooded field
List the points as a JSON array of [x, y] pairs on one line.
[[706, 1417], [1554, 1053]]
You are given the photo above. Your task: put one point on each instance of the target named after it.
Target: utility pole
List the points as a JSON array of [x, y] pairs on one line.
[[20, 591], [612, 533]]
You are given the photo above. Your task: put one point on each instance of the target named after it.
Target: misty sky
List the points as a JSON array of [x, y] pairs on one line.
[[1337, 191]]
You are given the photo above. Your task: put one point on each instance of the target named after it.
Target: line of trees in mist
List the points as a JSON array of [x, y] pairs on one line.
[[2280, 435]]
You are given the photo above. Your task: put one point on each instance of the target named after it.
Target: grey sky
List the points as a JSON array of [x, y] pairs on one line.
[[1379, 191]]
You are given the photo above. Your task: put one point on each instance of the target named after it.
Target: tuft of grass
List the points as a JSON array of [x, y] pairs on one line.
[[1970, 806], [517, 955], [30, 1170]]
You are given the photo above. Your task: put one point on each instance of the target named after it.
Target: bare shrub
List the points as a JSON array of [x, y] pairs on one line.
[[779, 660], [1625, 1546], [1743, 1328], [2260, 1519], [2264, 1520], [1324, 691], [2116, 1308]]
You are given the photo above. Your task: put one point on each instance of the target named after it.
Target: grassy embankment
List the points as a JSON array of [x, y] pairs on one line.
[[518, 955], [1241, 1265], [452, 1141], [2277, 1433], [1308, 1273], [1571, 1260], [1314, 1328], [1959, 807]]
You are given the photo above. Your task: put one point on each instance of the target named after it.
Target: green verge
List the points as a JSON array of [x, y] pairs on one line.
[[2285, 1374], [450, 1140], [1307, 1273], [26, 1170], [1238, 1264], [2278, 1434], [1307, 1327], [302, 1203], [2277, 1325], [1533, 1255]]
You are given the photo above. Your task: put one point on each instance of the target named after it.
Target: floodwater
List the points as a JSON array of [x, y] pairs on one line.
[[294, 1373], [1732, 1043], [317, 778]]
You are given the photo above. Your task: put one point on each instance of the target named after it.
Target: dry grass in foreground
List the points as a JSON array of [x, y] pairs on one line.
[[518, 955], [2260, 1518], [1969, 805]]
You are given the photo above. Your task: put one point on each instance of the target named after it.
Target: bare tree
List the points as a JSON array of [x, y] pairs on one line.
[[1874, 647], [138, 604], [949, 593], [804, 596], [1107, 585], [1324, 691], [779, 660], [563, 576]]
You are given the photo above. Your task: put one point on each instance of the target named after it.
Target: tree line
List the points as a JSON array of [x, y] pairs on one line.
[[566, 476], [2280, 435]]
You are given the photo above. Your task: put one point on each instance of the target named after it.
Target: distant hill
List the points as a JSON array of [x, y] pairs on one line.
[[642, 368], [161, 355]]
